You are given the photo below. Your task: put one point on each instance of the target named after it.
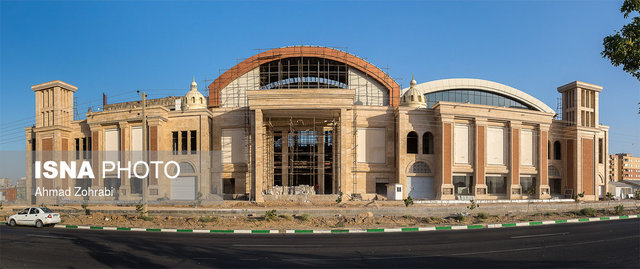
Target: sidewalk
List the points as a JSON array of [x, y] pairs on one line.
[[379, 208]]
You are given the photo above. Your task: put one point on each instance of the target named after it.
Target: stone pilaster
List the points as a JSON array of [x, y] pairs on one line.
[[258, 156]]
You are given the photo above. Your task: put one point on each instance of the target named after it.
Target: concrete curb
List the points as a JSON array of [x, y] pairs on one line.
[[342, 231]]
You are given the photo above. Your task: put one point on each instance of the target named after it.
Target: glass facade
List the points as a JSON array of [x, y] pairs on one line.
[[473, 96], [497, 184], [303, 73]]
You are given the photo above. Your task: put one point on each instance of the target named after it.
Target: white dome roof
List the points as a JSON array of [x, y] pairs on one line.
[[194, 99], [413, 97]]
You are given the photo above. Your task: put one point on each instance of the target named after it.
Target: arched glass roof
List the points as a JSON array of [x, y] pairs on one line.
[[479, 91], [474, 96]]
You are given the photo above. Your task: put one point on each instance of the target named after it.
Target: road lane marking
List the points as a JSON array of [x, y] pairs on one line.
[[538, 235]]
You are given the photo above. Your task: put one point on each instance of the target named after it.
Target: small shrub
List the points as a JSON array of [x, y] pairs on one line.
[[482, 216], [459, 217], [271, 215], [208, 219], [609, 196], [537, 214], [198, 201], [140, 209], [339, 225], [548, 214], [145, 218], [473, 205], [84, 206], [339, 200], [619, 209], [286, 216], [408, 202], [589, 212], [407, 216], [304, 217]]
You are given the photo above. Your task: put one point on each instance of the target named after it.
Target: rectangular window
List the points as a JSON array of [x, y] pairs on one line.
[[194, 142], [461, 144], [528, 185], [527, 147], [462, 184], [371, 145], [136, 144], [112, 184], [600, 151], [228, 185], [89, 147], [497, 184], [496, 145], [112, 145], [184, 140], [84, 147], [136, 185], [77, 148], [174, 142]]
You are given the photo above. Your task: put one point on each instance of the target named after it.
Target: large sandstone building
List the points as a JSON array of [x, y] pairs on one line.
[[318, 121]]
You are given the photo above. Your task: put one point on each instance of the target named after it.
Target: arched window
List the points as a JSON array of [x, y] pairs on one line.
[[412, 142], [427, 143], [557, 150], [185, 168], [412, 98], [201, 102], [420, 168], [193, 100]]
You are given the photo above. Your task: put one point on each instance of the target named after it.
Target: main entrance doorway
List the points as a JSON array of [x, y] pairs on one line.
[[301, 152]]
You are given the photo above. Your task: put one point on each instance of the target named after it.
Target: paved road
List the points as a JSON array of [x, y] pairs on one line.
[[611, 244]]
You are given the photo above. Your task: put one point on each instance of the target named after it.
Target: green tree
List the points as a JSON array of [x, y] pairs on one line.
[[623, 47]]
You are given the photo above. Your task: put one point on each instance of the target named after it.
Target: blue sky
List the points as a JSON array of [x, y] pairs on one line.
[[119, 47]]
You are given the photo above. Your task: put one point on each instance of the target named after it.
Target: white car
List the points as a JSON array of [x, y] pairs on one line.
[[35, 216]]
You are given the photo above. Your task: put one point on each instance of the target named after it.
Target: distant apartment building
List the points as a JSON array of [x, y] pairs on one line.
[[21, 188], [623, 166], [5, 182]]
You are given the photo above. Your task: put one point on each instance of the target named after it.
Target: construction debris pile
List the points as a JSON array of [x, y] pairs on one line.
[[290, 190]]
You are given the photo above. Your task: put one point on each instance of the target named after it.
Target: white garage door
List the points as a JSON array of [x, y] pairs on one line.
[[183, 188], [420, 187]]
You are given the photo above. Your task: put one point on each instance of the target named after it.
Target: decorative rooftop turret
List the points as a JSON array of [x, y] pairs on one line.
[[413, 97], [194, 99]]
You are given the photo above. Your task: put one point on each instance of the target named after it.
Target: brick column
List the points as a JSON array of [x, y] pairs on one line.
[[446, 188], [480, 158], [513, 180]]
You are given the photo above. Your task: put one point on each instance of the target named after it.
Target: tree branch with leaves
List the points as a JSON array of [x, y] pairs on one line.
[[623, 47]]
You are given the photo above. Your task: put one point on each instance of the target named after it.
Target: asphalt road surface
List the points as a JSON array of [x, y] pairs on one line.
[[606, 244]]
